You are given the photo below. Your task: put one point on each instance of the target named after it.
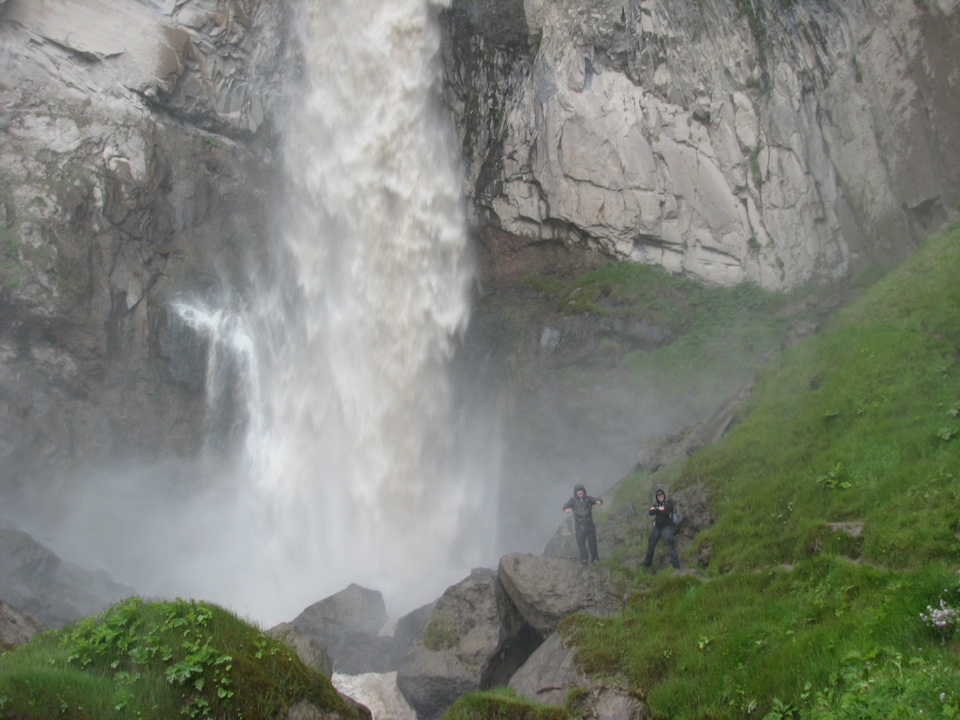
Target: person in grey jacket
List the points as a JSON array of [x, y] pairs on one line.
[[581, 505], [662, 513]]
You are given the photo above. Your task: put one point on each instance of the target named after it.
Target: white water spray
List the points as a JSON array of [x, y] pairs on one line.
[[355, 466], [349, 457]]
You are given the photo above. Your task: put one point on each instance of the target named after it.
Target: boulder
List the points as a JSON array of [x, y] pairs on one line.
[[348, 626], [460, 640], [547, 589], [432, 680], [549, 674], [407, 631], [354, 609], [601, 702], [308, 650], [306, 710]]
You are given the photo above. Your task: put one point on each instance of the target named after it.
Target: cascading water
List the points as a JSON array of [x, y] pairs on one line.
[[356, 467], [339, 450]]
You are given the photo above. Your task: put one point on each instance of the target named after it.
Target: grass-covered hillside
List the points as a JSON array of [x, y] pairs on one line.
[[160, 661], [827, 585], [836, 500]]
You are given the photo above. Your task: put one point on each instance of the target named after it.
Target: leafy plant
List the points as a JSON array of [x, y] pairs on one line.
[[158, 661], [835, 478]]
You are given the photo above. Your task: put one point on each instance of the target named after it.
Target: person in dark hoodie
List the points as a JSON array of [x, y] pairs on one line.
[[581, 505], [662, 512]]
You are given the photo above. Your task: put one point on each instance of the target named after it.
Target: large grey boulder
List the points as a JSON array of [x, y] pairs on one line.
[[486, 627], [606, 701], [547, 589], [308, 650], [408, 630], [353, 633], [549, 674], [460, 640], [306, 710], [431, 680], [347, 625]]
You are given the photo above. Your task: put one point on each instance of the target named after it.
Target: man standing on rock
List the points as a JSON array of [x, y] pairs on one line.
[[581, 505], [662, 512]]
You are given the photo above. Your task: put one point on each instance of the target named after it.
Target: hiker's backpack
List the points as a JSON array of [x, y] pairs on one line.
[[675, 516]]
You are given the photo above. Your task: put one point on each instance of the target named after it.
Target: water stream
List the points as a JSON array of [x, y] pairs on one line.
[[354, 462], [339, 449]]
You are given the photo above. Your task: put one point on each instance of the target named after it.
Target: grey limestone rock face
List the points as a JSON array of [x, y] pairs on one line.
[[17, 627], [134, 167], [34, 580], [778, 146]]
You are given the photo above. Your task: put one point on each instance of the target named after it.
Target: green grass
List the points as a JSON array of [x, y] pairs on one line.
[[650, 292], [732, 645], [158, 660], [721, 335], [790, 617], [789, 613], [503, 704]]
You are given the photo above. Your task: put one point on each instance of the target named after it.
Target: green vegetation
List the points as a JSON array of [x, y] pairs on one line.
[[501, 703], [158, 660], [827, 586], [722, 334], [439, 634], [795, 614]]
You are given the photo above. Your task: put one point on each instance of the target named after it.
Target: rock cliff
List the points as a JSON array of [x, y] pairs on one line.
[[132, 169], [778, 142], [730, 140]]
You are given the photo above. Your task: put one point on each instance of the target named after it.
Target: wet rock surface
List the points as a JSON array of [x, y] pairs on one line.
[[726, 145]]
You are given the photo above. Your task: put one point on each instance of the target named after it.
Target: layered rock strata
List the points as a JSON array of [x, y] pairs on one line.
[[771, 142]]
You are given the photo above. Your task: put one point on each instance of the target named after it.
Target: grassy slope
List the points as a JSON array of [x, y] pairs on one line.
[[155, 660], [835, 499], [791, 618]]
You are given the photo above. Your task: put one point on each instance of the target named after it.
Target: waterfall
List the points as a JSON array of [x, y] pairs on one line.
[[356, 464], [338, 449]]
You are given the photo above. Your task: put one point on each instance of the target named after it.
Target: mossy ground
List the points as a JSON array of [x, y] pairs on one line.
[[159, 660]]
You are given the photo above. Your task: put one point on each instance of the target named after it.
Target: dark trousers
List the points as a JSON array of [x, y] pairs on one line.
[[587, 533], [667, 534]]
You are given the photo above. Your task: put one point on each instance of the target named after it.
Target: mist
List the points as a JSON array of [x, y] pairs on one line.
[[335, 449], [357, 429]]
